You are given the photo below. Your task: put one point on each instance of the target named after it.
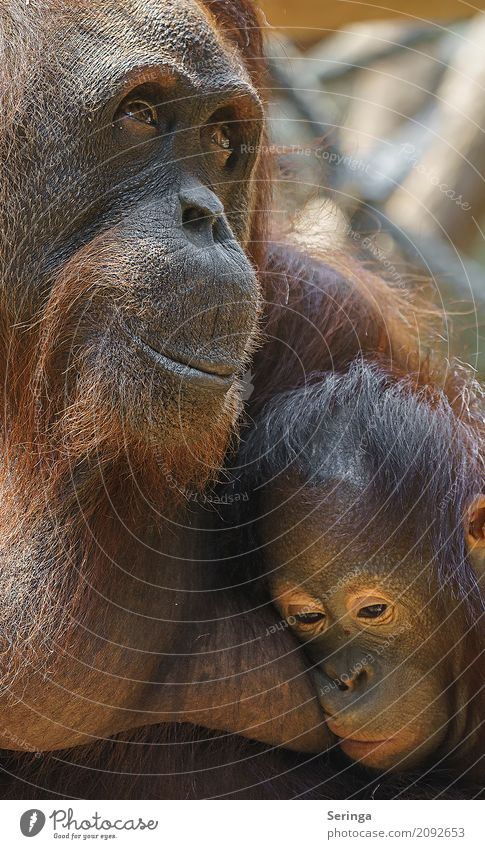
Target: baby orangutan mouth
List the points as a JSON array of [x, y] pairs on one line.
[[372, 753], [363, 749]]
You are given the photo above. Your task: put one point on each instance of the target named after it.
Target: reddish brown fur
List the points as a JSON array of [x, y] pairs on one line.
[[333, 317]]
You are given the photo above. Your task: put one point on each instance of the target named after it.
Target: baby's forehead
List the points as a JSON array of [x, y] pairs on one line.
[[329, 538], [333, 515], [302, 499], [333, 580], [321, 566]]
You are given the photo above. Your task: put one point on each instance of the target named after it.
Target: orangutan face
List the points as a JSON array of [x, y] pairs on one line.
[[140, 163]]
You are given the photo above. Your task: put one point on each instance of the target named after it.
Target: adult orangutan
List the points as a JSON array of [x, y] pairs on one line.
[[134, 265], [129, 309]]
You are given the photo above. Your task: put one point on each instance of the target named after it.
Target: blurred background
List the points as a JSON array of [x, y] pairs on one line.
[[378, 124]]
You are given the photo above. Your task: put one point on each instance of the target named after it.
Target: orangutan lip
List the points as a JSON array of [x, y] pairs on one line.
[[200, 371], [360, 747], [329, 719]]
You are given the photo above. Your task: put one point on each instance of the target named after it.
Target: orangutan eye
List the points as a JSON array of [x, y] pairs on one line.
[[138, 115], [303, 612], [309, 618], [372, 611], [221, 137]]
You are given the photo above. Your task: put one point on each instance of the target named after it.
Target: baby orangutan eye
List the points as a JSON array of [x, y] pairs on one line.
[[372, 611], [305, 614], [309, 618]]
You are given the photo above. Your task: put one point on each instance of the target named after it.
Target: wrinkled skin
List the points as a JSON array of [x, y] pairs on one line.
[[146, 208], [129, 310]]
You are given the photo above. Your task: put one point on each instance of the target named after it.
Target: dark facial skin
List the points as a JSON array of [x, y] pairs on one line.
[[142, 199], [367, 612]]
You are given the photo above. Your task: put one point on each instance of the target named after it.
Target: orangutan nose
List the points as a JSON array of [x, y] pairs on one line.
[[353, 680], [203, 220]]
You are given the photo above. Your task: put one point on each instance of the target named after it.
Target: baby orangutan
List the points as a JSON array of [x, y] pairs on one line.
[[362, 487]]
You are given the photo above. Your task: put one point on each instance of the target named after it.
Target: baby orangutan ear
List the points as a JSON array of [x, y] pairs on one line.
[[475, 536]]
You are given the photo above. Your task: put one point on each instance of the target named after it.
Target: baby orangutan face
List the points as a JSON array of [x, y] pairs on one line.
[[387, 657]]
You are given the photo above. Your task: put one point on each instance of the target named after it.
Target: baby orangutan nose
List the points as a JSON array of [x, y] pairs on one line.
[[340, 684]]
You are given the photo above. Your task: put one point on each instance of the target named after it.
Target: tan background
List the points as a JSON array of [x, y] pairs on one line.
[[308, 20]]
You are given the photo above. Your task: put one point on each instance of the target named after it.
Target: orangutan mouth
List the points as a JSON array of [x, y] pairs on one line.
[[357, 749], [199, 371]]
